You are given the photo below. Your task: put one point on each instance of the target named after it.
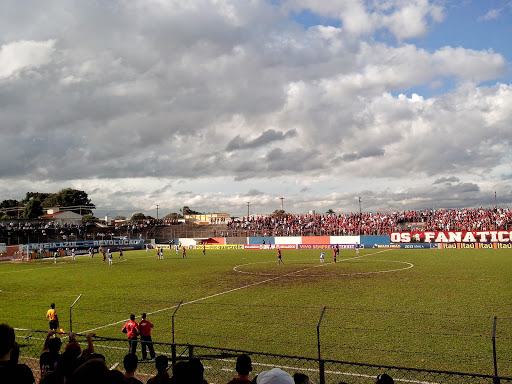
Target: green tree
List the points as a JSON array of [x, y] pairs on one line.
[[187, 211], [35, 195], [279, 212], [68, 198], [330, 211], [173, 215], [33, 209], [8, 207], [89, 219], [138, 216]]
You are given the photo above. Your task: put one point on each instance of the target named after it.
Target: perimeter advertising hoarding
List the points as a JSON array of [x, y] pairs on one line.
[[325, 246], [222, 246], [136, 243], [265, 246], [451, 237]]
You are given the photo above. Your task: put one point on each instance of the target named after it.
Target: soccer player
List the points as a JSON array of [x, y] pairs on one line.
[[145, 337], [51, 315], [357, 248], [110, 259], [184, 253], [121, 257], [334, 255], [322, 257], [91, 252], [204, 249], [73, 253], [279, 256]]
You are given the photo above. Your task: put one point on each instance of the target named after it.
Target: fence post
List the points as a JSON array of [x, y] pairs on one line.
[[70, 314], [190, 351], [173, 355], [494, 346], [174, 314], [320, 361]]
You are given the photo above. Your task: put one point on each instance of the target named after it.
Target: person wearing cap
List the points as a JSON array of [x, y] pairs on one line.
[[131, 328], [384, 379], [162, 377], [145, 337], [243, 368], [274, 376]]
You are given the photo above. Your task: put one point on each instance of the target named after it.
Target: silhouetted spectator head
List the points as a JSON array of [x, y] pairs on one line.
[[243, 364], [384, 379], [130, 363], [161, 363], [196, 370], [300, 378], [7, 339], [180, 372], [92, 371], [274, 376], [132, 317], [54, 345]]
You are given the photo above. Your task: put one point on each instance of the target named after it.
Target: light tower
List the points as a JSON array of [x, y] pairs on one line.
[[282, 198], [248, 203]]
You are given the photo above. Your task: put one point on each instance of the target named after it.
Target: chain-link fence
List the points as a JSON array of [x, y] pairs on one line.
[[219, 363]]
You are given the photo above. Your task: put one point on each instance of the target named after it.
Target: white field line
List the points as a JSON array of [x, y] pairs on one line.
[[223, 293]]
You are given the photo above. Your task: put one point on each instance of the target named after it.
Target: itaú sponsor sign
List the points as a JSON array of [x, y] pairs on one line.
[[452, 237]]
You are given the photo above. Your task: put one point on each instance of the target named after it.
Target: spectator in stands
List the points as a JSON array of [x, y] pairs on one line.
[[384, 379], [50, 357], [180, 373], [243, 368], [10, 371], [93, 371], [73, 357], [162, 377], [274, 376], [52, 377], [196, 371], [130, 366], [301, 378]]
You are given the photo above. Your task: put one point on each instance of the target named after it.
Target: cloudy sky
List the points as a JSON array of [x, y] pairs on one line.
[[213, 104]]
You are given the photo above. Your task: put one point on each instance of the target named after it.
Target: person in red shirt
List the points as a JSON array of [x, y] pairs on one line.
[[243, 368], [145, 337], [131, 328]]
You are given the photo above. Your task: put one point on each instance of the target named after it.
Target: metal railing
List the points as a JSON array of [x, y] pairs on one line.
[[219, 363]]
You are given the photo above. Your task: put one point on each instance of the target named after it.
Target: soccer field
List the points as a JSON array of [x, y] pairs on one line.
[[429, 309]]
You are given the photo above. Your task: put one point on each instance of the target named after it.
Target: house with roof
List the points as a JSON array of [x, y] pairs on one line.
[[61, 217]]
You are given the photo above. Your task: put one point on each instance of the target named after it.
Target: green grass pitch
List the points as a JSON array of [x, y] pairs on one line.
[[429, 309]]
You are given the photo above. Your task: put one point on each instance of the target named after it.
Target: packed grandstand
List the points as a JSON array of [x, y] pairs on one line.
[[380, 223]]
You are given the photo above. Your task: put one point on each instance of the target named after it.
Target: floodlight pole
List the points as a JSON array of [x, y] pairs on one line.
[[70, 315]]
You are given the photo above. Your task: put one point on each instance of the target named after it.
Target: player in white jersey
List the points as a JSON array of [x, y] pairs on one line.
[[73, 254], [322, 257]]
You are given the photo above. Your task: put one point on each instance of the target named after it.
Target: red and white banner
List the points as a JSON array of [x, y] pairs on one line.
[[451, 237]]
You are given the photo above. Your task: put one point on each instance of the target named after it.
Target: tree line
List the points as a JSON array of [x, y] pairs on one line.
[[34, 204]]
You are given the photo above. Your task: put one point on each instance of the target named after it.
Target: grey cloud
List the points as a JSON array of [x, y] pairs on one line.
[[267, 137], [451, 179], [364, 153], [253, 192]]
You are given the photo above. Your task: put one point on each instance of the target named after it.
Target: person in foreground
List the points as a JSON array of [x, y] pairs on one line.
[[384, 379], [243, 368], [10, 371], [274, 376]]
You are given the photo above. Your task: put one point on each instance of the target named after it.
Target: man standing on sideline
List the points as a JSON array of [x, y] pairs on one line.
[[145, 337], [131, 328], [52, 316], [184, 253]]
